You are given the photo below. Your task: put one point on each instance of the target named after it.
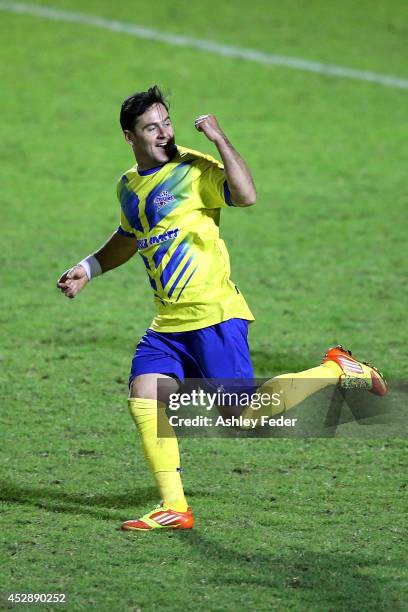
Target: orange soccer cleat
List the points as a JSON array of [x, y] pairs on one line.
[[356, 374], [161, 517]]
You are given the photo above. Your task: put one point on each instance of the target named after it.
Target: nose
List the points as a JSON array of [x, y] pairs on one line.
[[164, 132]]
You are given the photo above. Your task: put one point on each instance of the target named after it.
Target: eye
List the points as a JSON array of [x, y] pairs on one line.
[[167, 122], [151, 128]]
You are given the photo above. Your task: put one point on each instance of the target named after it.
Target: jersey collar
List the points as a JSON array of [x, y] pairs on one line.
[[150, 171], [157, 168]]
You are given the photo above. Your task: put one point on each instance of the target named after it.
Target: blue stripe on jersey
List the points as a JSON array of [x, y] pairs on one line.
[[174, 285], [174, 184], [151, 280], [186, 283], [173, 262], [227, 194], [152, 283], [123, 232], [130, 205], [145, 261], [161, 251]]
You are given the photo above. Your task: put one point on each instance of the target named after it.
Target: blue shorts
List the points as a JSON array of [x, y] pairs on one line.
[[219, 351]]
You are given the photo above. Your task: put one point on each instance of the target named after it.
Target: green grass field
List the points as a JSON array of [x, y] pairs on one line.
[[313, 524]]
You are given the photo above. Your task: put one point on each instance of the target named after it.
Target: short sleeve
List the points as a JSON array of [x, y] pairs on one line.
[[214, 189], [124, 228]]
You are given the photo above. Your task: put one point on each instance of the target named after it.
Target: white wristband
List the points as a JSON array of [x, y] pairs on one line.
[[92, 266]]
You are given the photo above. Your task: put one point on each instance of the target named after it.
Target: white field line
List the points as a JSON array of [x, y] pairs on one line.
[[204, 45]]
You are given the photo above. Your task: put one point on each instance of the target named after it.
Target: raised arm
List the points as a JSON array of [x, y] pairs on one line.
[[237, 173], [115, 252]]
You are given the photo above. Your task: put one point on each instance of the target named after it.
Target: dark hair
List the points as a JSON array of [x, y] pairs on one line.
[[136, 104]]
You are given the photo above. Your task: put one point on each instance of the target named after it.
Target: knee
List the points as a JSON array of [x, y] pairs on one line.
[[143, 389], [146, 386]]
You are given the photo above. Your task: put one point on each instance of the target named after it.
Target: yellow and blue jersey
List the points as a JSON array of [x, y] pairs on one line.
[[174, 213]]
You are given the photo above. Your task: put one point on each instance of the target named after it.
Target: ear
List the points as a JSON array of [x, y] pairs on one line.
[[128, 137]]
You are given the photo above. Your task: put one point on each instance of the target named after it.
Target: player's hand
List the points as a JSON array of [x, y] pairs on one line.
[[72, 281], [208, 124]]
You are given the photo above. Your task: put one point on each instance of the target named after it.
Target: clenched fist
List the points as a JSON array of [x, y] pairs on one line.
[[208, 124], [72, 281]]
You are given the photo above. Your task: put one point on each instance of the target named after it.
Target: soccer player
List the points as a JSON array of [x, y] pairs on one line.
[[170, 214]]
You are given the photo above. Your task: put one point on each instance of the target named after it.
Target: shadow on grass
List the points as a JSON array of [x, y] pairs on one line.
[[108, 507], [319, 580], [322, 580]]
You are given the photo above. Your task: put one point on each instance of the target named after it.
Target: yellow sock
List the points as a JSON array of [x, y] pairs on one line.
[[294, 388], [162, 453]]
